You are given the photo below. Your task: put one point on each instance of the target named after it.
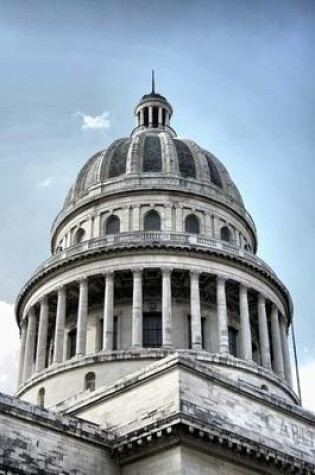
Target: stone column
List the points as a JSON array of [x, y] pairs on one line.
[[166, 308], [82, 318], [246, 352], [237, 238], [167, 118], [141, 116], [42, 334], [108, 311], [150, 116], [285, 351], [22, 351], [216, 226], [30, 344], [135, 218], [264, 344], [91, 234], [160, 116], [137, 309], [195, 313], [276, 342], [60, 325], [222, 316], [208, 225], [179, 219]]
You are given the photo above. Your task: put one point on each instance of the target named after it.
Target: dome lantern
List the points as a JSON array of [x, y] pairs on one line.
[[153, 112]]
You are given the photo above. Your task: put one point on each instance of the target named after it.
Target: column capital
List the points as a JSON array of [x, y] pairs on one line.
[[194, 274], [221, 279], [261, 298], [166, 270], [108, 274], [43, 300], [31, 312], [243, 287], [61, 288], [282, 319], [274, 308], [138, 271], [83, 280]]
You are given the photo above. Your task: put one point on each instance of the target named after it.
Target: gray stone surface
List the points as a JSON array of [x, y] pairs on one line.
[[36, 441]]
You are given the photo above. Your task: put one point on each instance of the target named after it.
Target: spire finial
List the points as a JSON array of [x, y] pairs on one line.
[[153, 82]]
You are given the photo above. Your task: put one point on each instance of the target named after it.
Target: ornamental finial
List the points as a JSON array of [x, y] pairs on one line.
[[153, 82]]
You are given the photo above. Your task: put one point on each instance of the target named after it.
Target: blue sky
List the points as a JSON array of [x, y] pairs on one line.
[[240, 75]]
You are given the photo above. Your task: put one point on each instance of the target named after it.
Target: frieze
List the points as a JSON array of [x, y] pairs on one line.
[[302, 436]]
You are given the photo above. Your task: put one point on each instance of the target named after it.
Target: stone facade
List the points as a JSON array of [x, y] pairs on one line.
[[34, 441], [155, 321]]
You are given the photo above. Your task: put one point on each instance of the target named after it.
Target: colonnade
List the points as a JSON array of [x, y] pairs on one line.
[[34, 335], [161, 122]]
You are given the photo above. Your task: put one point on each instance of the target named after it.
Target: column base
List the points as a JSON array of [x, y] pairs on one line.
[[196, 346]]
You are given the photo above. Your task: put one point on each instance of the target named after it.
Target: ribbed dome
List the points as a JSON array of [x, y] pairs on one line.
[[152, 155]]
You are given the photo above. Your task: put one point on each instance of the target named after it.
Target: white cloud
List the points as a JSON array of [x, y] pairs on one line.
[[45, 183], [101, 121], [307, 377], [9, 348]]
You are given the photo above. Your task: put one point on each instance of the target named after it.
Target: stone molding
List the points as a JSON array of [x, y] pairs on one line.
[[96, 251], [59, 422], [167, 359], [188, 431]]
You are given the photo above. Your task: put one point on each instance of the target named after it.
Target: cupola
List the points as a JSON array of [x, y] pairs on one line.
[[153, 112]]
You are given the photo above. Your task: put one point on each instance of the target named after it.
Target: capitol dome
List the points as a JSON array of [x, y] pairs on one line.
[[153, 253], [171, 162]]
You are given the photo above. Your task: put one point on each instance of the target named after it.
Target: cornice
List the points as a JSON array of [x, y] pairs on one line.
[[187, 431], [123, 248], [196, 362]]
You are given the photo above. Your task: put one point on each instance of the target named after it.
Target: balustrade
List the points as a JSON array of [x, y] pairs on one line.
[[154, 237]]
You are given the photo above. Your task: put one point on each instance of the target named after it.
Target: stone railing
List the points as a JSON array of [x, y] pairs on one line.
[[149, 238]]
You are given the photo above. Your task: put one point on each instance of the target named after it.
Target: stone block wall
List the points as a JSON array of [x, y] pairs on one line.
[[36, 441]]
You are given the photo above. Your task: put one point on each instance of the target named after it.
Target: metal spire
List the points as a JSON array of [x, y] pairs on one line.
[[153, 82]]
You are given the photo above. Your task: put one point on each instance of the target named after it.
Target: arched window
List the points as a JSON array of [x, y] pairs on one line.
[[192, 224], [41, 397], [226, 234], [113, 225], [79, 236], [152, 221], [89, 381]]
